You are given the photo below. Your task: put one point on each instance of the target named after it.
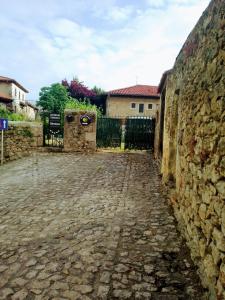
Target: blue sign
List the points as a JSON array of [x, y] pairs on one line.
[[3, 124]]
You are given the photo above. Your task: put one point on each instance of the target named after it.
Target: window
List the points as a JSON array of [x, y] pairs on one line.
[[15, 92], [141, 108], [133, 105], [149, 106], [19, 94]]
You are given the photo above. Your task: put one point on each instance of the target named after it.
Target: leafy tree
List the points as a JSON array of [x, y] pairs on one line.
[[98, 91], [78, 90], [100, 99], [53, 98]]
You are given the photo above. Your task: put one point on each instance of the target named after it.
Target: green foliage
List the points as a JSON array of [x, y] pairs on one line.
[[82, 105], [53, 98], [100, 98], [5, 114], [98, 91]]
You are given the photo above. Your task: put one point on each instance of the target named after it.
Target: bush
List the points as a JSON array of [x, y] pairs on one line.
[[82, 105], [6, 114]]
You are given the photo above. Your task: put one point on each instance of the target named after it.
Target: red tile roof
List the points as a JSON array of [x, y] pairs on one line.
[[5, 98], [10, 80], [136, 90]]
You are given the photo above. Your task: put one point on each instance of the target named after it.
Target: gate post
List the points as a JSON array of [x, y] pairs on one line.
[[79, 131]]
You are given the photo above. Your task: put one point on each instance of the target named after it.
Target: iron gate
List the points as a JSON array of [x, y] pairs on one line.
[[109, 132], [53, 129], [139, 133]]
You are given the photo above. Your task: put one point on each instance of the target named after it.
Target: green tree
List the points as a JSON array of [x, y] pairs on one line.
[[53, 98], [98, 91], [100, 99]]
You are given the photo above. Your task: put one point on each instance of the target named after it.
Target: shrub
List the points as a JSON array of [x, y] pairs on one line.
[[6, 114], [82, 105]]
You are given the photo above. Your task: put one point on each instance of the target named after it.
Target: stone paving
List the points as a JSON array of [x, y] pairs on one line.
[[76, 226]]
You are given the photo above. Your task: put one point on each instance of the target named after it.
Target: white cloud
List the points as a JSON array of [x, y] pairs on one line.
[[144, 46], [156, 3], [114, 14]]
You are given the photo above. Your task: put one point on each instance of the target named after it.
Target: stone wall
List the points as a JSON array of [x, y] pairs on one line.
[[21, 139], [78, 137], [194, 145]]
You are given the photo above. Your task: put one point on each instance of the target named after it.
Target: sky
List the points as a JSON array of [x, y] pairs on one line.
[[108, 43]]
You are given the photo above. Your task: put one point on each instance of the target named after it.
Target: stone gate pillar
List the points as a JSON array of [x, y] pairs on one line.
[[79, 131]]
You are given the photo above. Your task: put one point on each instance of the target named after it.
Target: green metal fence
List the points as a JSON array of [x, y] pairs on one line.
[[109, 132], [139, 133]]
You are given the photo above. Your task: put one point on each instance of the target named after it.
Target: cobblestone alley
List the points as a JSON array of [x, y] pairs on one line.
[[90, 227]]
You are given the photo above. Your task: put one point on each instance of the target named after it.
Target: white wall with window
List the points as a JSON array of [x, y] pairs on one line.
[[143, 108], [17, 93], [117, 106]]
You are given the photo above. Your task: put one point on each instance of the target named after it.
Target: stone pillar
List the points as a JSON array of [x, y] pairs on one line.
[[79, 131]]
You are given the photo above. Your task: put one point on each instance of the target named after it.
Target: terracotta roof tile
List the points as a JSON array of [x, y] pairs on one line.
[[136, 90]]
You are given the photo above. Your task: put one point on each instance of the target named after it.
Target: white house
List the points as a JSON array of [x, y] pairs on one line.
[[10, 89]]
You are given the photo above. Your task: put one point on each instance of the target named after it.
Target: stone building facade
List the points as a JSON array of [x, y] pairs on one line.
[[193, 159]]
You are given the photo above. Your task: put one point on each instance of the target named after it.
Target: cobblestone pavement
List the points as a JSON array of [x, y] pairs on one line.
[[89, 227]]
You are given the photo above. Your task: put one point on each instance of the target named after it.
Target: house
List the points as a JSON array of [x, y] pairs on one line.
[[13, 96], [5, 101], [11, 89], [137, 100], [31, 110]]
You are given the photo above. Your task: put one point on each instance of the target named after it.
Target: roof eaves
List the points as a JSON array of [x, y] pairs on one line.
[[10, 80], [134, 95]]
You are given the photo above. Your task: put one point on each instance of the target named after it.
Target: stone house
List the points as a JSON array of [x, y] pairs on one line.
[[13, 96], [134, 101]]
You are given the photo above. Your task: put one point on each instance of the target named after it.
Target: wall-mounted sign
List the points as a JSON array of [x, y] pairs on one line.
[[85, 120], [54, 121]]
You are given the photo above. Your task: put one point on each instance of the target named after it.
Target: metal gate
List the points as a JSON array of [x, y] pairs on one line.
[[139, 133], [53, 130], [109, 132]]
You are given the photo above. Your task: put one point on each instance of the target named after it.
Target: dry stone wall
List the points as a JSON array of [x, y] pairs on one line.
[[21, 139], [194, 145]]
